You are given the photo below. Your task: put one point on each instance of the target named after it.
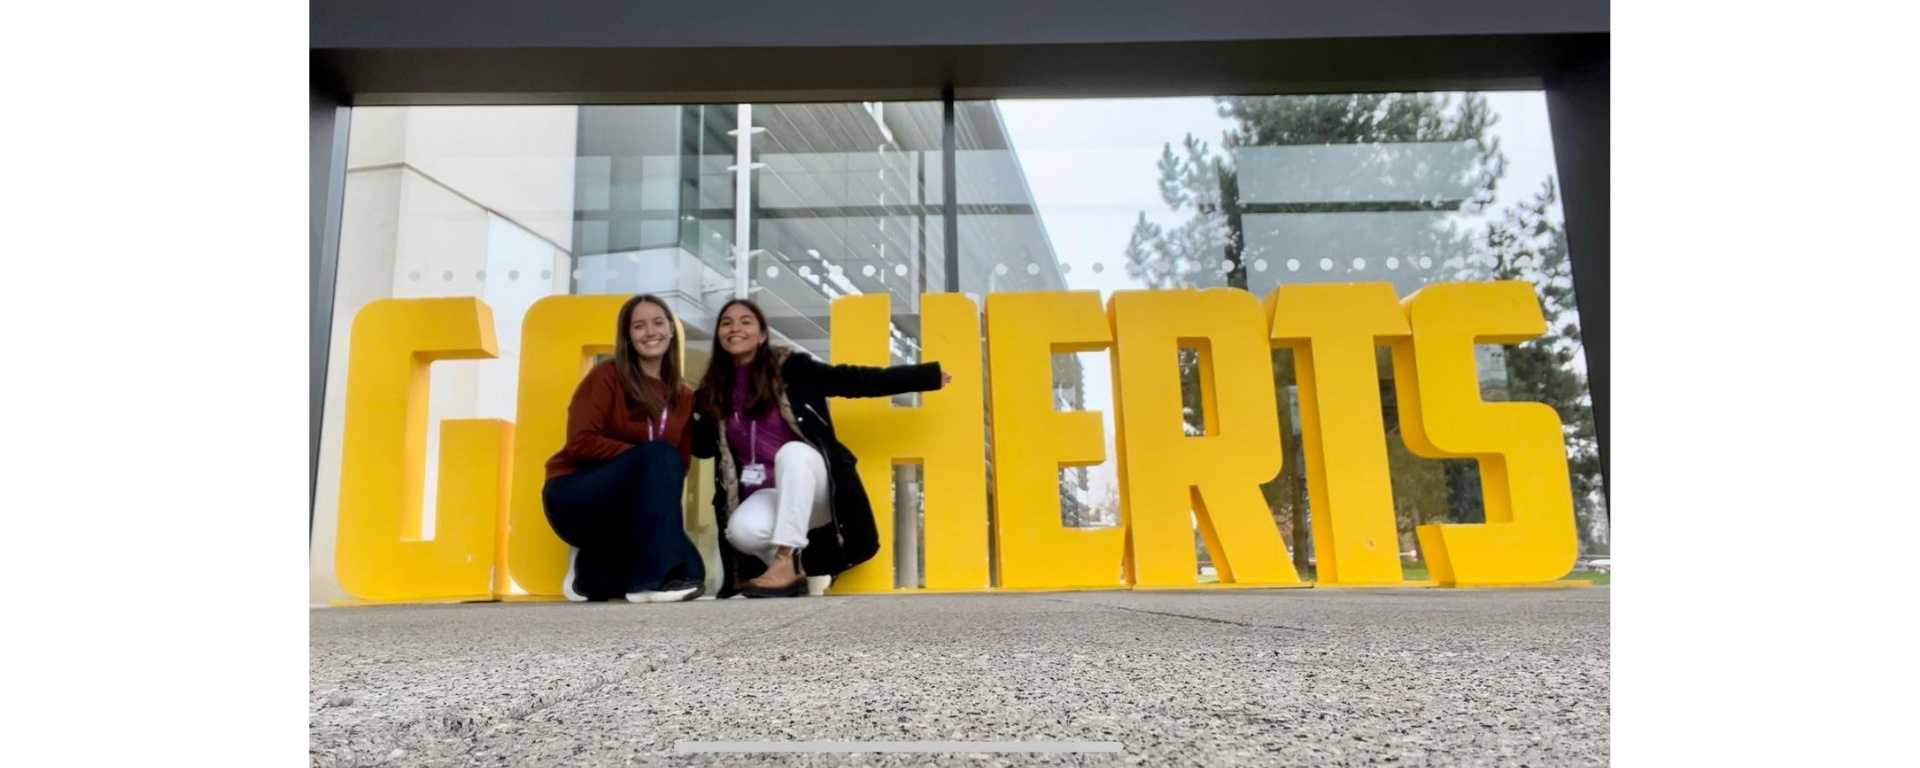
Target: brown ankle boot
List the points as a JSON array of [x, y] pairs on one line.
[[773, 583]]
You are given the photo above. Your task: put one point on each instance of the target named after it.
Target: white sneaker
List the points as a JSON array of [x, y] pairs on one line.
[[668, 595], [566, 585]]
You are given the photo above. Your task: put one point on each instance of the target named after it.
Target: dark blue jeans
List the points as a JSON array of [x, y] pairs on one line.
[[624, 515]]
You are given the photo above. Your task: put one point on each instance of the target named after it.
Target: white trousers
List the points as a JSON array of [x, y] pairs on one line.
[[780, 516]]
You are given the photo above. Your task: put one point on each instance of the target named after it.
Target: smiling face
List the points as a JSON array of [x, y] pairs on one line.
[[650, 332], [740, 332]]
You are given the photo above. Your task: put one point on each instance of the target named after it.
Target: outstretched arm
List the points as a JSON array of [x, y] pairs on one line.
[[868, 381]]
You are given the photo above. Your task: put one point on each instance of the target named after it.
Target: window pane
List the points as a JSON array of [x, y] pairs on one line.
[[450, 201], [511, 204], [1255, 192], [514, 203], [841, 207]]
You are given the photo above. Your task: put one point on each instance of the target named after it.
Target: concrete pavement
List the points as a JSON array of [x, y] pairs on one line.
[[1227, 677]]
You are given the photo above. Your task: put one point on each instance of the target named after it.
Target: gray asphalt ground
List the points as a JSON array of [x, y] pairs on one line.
[[1228, 677]]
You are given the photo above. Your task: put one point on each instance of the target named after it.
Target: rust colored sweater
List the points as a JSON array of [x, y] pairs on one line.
[[599, 427]]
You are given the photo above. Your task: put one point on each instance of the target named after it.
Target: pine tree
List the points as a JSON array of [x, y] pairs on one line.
[[1528, 244], [1210, 249]]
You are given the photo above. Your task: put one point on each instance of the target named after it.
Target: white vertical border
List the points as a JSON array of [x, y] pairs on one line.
[[1762, 423], [155, 308]]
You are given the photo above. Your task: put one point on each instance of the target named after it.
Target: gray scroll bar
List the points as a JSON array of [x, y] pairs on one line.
[[687, 747]]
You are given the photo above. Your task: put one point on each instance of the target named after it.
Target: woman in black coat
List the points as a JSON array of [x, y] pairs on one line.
[[786, 491]]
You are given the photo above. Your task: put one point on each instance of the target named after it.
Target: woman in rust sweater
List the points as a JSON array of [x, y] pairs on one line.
[[613, 491]]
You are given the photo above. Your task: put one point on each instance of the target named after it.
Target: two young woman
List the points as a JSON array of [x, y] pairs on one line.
[[786, 492]]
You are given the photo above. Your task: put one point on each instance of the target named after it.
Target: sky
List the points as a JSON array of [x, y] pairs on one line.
[[1090, 164]]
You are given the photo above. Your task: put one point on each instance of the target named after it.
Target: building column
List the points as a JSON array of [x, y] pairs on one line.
[[1577, 107], [327, 120]]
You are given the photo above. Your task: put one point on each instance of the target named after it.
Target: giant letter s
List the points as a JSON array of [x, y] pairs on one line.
[[1529, 533]]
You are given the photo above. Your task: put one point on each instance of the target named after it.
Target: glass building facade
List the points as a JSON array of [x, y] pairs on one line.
[[824, 200]]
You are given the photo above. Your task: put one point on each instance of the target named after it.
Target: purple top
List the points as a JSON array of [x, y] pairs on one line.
[[755, 438]]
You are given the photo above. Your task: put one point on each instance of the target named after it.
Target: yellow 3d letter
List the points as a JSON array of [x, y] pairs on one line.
[[1032, 441], [380, 554], [944, 435], [1332, 329], [558, 340], [1529, 533], [1164, 473]]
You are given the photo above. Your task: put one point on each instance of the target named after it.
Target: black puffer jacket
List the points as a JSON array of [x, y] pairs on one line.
[[850, 537]]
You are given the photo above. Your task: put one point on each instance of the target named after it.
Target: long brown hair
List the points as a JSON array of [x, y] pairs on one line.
[[643, 401], [715, 396]]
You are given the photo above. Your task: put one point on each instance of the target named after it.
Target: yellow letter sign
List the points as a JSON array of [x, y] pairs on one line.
[[1032, 441], [945, 434], [1332, 329], [379, 553], [492, 530], [1529, 534], [1163, 472]]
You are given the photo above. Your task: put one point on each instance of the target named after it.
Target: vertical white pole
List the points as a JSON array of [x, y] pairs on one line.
[[742, 199]]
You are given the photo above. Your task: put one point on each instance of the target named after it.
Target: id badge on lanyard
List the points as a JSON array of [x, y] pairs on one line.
[[755, 473]]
